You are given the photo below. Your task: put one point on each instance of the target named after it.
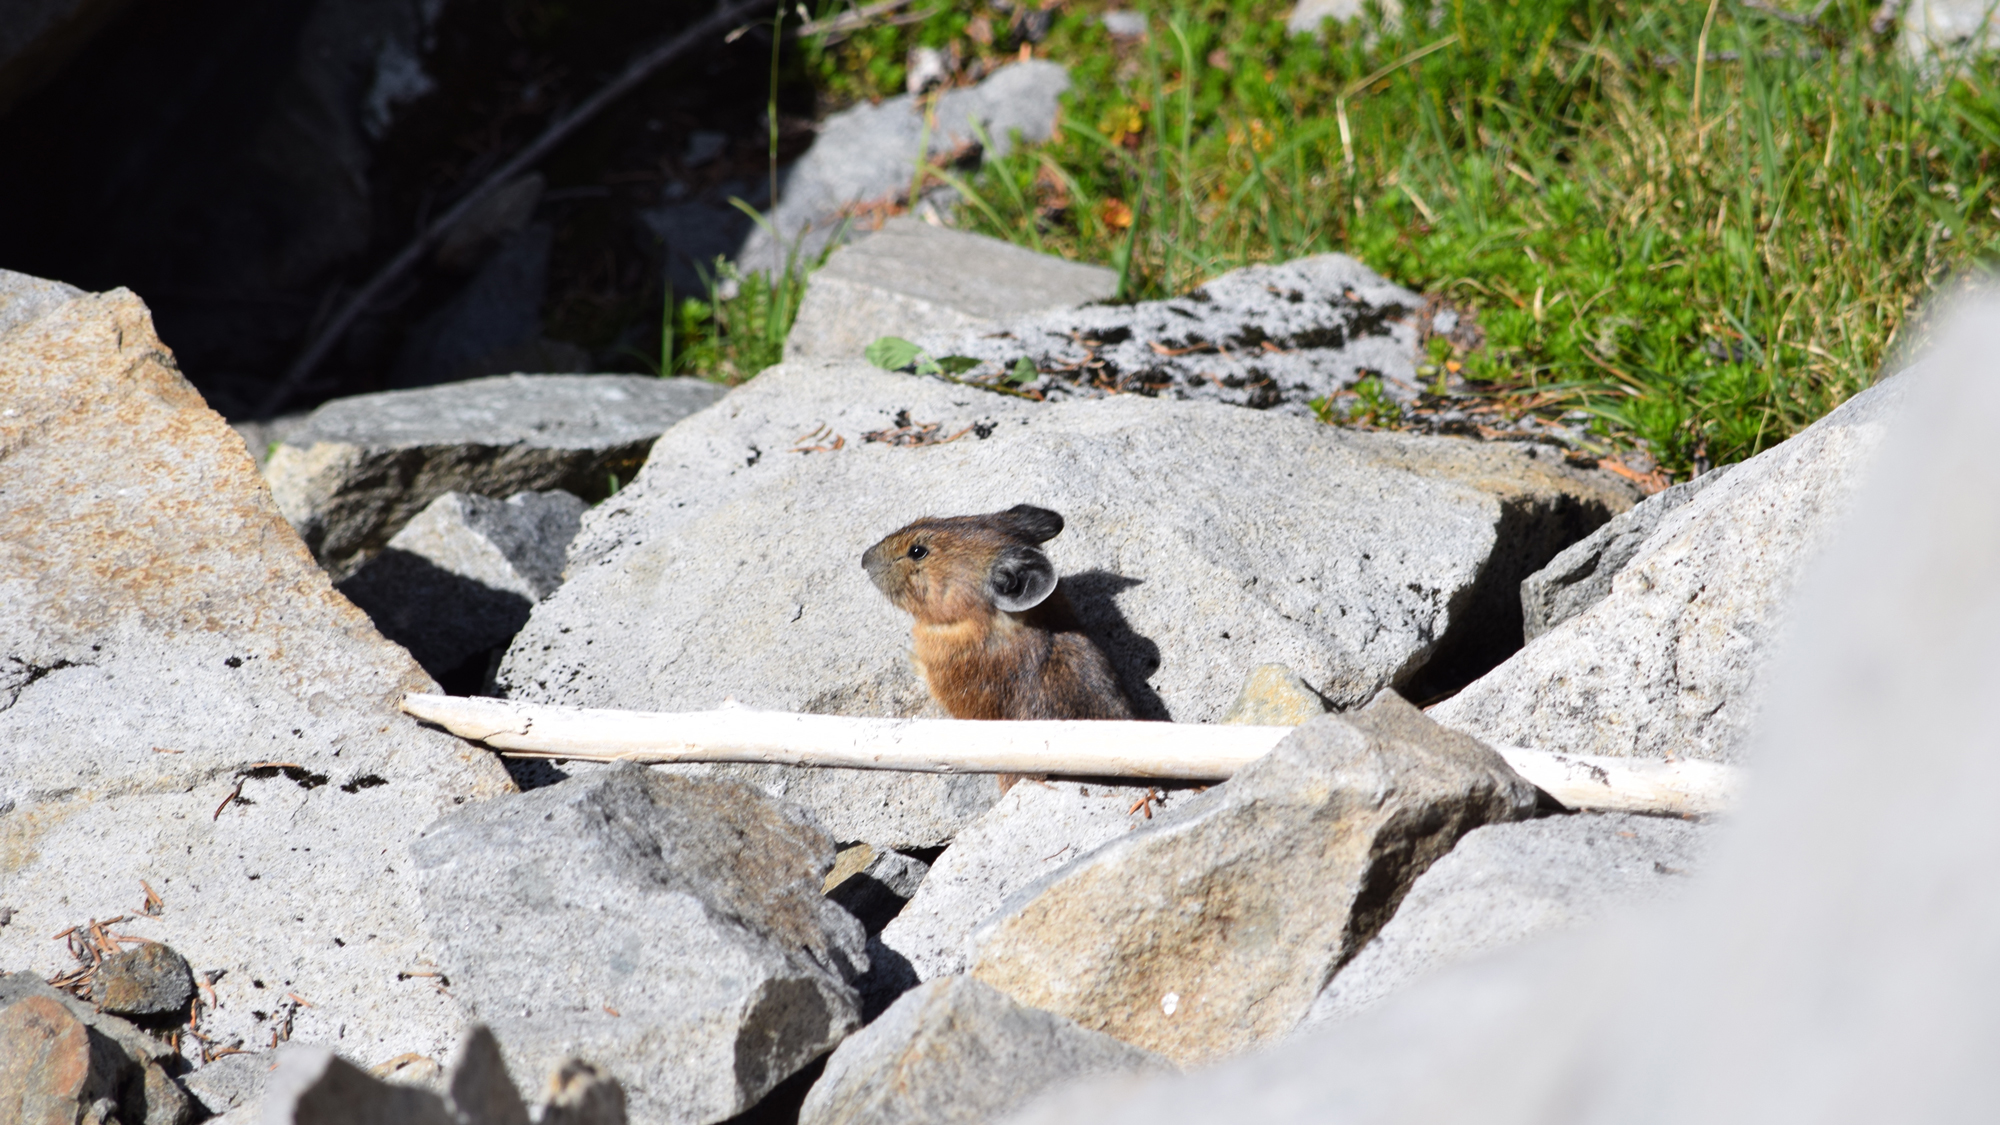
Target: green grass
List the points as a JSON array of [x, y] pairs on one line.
[[1705, 277]]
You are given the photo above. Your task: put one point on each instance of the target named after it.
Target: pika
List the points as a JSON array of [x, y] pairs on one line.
[[994, 636]]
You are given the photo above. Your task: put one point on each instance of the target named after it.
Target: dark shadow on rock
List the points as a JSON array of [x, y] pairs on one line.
[[450, 623], [1486, 629], [781, 1106], [534, 773], [1093, 594], [889, 975]]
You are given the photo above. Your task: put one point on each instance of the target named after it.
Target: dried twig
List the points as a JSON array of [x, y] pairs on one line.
[[1106, 748], [640, 69]]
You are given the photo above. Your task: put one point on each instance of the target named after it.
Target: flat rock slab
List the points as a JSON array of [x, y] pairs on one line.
[[1213, 928], [1203, 541], [357, 469], [186, 704], [1505, 883], [912, 278], [669, 931], [458, 581], [957, 1051], [1036, 829], [869, 153], [1671, 661], [1272, 337]]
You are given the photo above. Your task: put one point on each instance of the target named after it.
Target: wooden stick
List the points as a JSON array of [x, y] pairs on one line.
[[1179, 751]]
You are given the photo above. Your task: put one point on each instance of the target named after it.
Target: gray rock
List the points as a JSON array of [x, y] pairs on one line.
[[1036, 829], [314, 1086], [1505, 883], [186, 703], [1945, 29], [458, 581], [875, 893], [362, 467], [25, 299], [231, 1082], [149, 981], [1124, 25], [956, 1050], [1274, 337], [1274, 696], [1671, 662], [869, 153], [669, 931], [730, 567], [480, 1089], [1581, 576], [1832, 964], [1307, 15], [911, 278], [1213, 928], [261, 436]]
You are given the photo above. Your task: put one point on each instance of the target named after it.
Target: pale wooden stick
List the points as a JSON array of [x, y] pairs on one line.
[[1179, 751]]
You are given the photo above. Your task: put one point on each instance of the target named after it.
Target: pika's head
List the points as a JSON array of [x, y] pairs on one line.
[[942, 570]]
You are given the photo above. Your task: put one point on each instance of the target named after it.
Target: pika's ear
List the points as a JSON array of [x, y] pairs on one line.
[[1021, 579], [1036, 525]]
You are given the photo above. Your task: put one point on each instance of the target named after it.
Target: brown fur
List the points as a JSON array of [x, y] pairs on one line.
[[982, 661]]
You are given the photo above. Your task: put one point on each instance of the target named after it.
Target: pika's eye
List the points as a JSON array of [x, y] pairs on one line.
[[918, 550]]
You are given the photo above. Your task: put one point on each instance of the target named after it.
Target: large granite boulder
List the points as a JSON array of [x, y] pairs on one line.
[[1203, 540], [196, 732], [1670, 663], [357, 469], [669, 931], [1211, 929], [1833, 963], [912, 278]]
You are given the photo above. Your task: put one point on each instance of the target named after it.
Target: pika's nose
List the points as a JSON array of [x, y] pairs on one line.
[[875, 561]]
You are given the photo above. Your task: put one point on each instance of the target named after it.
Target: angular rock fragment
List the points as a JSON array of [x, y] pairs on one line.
[[1271, 337], [149, 981], [187, 705], [954, 1051], [1212, 929], [579, 1095], [1581, 575], [912, 278], [230, 1083], [458, 581], [1505, 883], [1202, 541], [1670, 662], [1037, 828], [875, 891], [360, 468], [50, 1074], [669, 931], [867, 154]]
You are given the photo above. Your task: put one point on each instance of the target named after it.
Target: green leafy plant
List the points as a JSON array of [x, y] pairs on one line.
[[893, 353]]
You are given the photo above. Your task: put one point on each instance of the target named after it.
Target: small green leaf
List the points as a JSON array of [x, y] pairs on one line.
[[1024, 371], [927, 366], [957, 364], [892, 353]]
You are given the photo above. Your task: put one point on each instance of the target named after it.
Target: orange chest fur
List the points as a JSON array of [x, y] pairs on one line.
[[974, 666]]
